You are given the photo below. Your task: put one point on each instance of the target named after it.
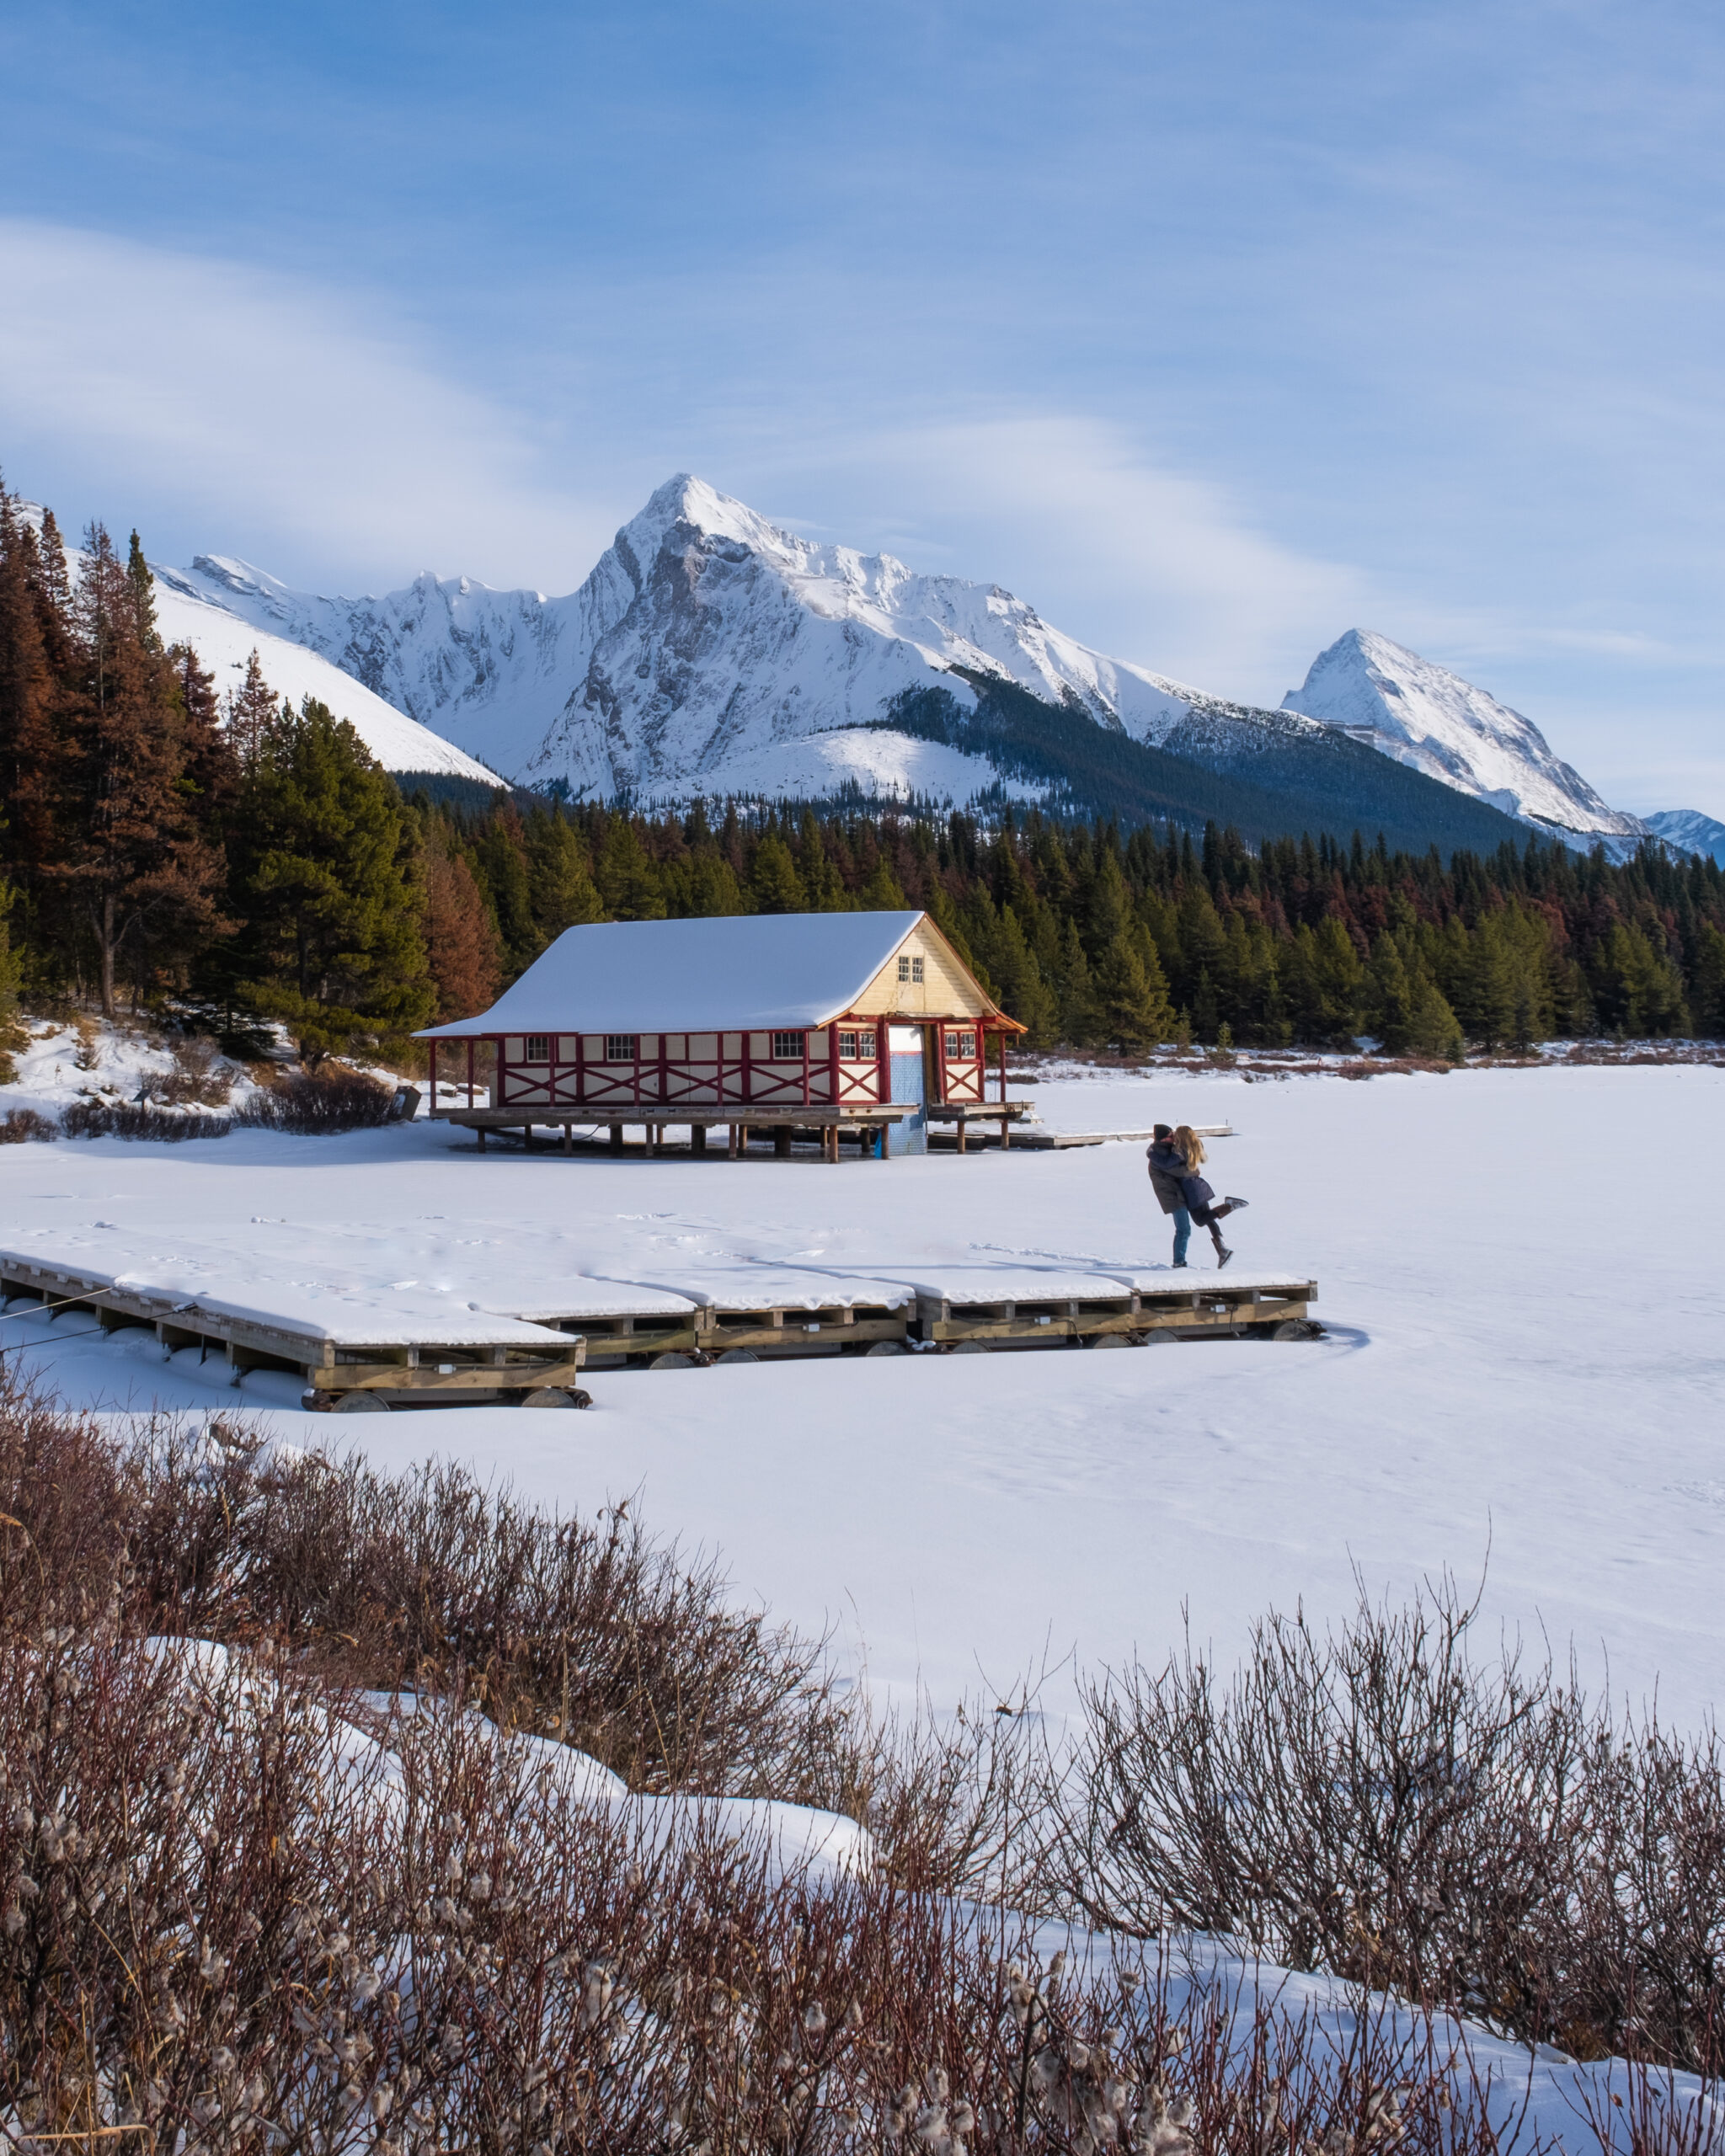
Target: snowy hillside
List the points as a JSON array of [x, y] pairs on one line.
[[224, 642], [705, 639], [1431, 719], [1689, 828]]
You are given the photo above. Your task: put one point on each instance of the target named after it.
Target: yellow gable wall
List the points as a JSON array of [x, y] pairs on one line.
[[946, 990]]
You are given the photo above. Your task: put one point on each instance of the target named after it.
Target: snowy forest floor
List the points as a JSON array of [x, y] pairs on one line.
[[1519, 1272]]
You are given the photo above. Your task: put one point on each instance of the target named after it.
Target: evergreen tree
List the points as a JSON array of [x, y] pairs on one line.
[[627, 881], [334, 937], [1389, 996], [883, 893], [499, 867], [251, 712], [461, 949], [143, 597], [130, 855], [774, 885], [30, 744], [560, 893], [1132, 996]]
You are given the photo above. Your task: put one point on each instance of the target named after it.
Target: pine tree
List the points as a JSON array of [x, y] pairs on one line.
[[883, 893], [560, 893], [334, 937], [30, 744], [499, 867], [130, 855], [143, 597], [460, 944], [253, 709], [627, 881], [1389, 996], [774, 885], [1131, 993]]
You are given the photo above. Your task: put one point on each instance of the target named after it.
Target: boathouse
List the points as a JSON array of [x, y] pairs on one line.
[[868, 1026]]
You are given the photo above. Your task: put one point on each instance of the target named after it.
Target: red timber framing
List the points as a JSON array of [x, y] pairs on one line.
[[696, 1071]]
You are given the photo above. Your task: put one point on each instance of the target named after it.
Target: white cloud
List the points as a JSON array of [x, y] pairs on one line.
[[259, 412]]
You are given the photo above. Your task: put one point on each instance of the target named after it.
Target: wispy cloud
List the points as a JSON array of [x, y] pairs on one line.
[[260, 412]]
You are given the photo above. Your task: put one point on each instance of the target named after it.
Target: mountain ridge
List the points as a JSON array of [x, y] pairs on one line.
[[711, 650]]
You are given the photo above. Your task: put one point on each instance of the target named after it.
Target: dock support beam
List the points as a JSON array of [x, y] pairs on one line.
[[782, 1141], [697, 1138], [617, 1138]]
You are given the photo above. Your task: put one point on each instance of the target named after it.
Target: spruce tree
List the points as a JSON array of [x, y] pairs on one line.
[[335, 907], [253, 709], [628, 882], [1131, 995], [774, 885], [143, 597], [140, 873], [461, 944], [883, 893], [560, 893]]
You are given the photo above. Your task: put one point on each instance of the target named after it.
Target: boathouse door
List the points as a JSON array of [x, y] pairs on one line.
[[905, 1055]]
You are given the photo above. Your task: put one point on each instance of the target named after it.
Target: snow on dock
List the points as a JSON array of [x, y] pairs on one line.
[[419, 1343]]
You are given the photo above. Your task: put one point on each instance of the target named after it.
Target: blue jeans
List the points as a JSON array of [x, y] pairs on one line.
[[1182, 1233]]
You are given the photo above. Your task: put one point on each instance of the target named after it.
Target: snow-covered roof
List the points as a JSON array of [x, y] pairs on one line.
[[752, 971]]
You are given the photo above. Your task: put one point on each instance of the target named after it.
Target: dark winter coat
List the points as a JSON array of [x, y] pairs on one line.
[[1200, 1197], [1167, 1175]]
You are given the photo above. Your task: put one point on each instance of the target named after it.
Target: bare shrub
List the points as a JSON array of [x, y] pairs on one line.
[[1375, 1802], [136, 1119], [193, 1081], [311, 1102], [24, 1126], [226, 1923]]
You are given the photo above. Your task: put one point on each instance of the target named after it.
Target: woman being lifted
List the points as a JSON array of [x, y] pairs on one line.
[[1175, 1158]]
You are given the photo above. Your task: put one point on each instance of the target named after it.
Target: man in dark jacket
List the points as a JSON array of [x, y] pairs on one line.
[[1167, 1175]]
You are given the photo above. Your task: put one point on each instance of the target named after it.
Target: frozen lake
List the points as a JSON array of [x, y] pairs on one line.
[[1519, 1270]]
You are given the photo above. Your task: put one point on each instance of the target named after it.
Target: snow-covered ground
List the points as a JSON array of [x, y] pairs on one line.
[[1518, 1269]]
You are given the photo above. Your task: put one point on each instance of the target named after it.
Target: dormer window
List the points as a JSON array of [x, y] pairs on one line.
[[910, 969]]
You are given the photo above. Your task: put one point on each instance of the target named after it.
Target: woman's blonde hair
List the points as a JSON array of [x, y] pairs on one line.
[[1189, 1145]]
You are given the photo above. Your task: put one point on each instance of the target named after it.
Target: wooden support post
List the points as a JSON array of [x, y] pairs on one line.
[[961, 1134], [568, 1143], [782, 1141], [697, 1137], [885, 1155], [1006, 1134], [617, 1138], [481, 1135], [733, 1134]]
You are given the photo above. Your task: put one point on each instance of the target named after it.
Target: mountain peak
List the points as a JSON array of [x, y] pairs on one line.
[[1426, 716]]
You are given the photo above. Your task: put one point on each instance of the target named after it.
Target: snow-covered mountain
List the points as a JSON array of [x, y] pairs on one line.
[[1690, 830], [1426, 716], [710, 649], [224, 642]]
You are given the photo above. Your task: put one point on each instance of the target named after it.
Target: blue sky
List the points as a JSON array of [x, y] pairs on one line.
[[1212, 331]]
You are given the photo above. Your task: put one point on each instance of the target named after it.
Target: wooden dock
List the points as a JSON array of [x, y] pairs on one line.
[[481, 1360], [746, 1314]]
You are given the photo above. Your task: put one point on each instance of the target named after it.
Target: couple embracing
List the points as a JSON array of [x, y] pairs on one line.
[[1175, 1158]]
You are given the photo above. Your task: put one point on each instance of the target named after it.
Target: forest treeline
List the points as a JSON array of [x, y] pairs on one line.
[[160, 843]]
